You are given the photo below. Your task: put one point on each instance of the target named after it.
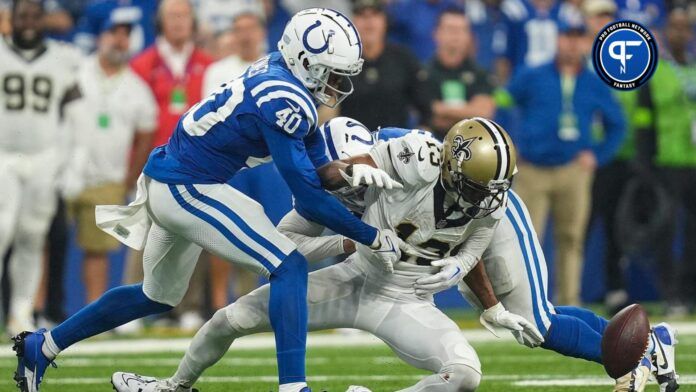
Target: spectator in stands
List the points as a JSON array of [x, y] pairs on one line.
[[598, 13], [490, 21], [173, 68], [649, 13], [558, 102], [411, 23], [97, 12], [250, 36], [461, 88], [249, 33], [115, 120], [670, 100], [392, 82], [215, 19], [531, 40]]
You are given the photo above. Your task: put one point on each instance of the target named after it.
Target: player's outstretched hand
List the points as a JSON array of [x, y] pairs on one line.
[[452, 270], [358, 173], [387, 248], [524, 331]]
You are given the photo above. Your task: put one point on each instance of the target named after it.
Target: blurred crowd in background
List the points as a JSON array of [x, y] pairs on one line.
[[587, 153]]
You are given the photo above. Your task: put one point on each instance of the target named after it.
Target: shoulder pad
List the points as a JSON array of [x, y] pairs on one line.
[[416, 158], [283, 103]]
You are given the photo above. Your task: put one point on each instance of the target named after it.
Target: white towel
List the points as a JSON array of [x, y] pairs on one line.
[[128, 224]]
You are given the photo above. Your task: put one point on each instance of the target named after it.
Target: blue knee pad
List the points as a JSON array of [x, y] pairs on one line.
[[573, 337], [287, 310], [115, 308]]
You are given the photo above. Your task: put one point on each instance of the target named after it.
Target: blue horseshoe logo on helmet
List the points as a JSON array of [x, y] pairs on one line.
[[306, 34]]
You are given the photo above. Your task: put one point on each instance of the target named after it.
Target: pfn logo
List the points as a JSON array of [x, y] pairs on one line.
[[624, 55], [621, 55]]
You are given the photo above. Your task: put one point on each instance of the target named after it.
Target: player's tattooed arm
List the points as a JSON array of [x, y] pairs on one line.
[[330, 173]]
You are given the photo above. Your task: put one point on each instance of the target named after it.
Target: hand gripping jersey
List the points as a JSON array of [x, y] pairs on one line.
[[33, 87], [224, 133], [417, 212]]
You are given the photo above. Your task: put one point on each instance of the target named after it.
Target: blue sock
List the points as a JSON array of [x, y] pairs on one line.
[[287, 310], [116, 307], [573, 337], [599, 324]]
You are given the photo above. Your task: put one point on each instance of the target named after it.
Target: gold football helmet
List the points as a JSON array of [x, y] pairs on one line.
[[478, 162]]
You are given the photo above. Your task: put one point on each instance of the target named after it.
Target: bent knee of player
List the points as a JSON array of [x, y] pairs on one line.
[[293, 264], [170, 295], [462, 377], [243, 318]]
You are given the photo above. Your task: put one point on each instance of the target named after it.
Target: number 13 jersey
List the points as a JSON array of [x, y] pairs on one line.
[[34, 85], [417, 212]]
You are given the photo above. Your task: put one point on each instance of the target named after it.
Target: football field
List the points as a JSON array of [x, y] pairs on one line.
[[335, 360]]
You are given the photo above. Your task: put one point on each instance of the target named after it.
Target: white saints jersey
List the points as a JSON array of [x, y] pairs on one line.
[[417, 212], [34, 84]]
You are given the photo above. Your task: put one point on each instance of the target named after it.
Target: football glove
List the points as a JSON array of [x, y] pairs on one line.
[[524, 331], [387, 248], [357, 174], [452, 270]]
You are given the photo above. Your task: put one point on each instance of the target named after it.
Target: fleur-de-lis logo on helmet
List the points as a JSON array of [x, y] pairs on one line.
[[460, 148]]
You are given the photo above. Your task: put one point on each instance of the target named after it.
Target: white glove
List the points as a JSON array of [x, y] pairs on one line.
[[452, 270], [368, 175], [524, 331], [387, 248]]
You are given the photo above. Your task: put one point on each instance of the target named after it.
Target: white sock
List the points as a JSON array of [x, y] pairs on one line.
[[292, 387], [50, 348]]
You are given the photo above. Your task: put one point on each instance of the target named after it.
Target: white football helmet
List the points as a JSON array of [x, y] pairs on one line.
[[346, 138], [322, 48]]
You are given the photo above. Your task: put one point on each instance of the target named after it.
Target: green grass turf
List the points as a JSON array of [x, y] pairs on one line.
[[505, 365]]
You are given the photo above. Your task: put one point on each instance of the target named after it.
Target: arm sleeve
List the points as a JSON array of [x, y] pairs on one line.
[[294, 164], [474, 246], [614, 124], [307, 235]]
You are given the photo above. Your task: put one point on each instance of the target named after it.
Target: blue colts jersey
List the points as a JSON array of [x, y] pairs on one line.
[[266, 114], [225, 132]]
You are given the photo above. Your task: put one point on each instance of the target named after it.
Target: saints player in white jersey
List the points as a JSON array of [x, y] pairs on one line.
[[37, 78], [447, 211]]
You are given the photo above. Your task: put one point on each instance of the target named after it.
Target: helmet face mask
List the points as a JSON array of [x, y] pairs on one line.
[[333, 85], [322, 48], [481, 200], [478, 162]]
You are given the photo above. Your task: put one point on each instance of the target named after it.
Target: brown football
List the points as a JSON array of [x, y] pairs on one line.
[[625, 340]]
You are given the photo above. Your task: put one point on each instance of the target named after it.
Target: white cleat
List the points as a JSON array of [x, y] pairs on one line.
[[131, 382], [664, 337], [637, 379], [357, 388]]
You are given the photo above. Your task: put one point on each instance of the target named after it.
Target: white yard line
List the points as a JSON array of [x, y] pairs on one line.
[[265, 341], [689, 379]]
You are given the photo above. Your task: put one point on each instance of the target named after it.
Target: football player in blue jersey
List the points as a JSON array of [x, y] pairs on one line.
[[184, 204]]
